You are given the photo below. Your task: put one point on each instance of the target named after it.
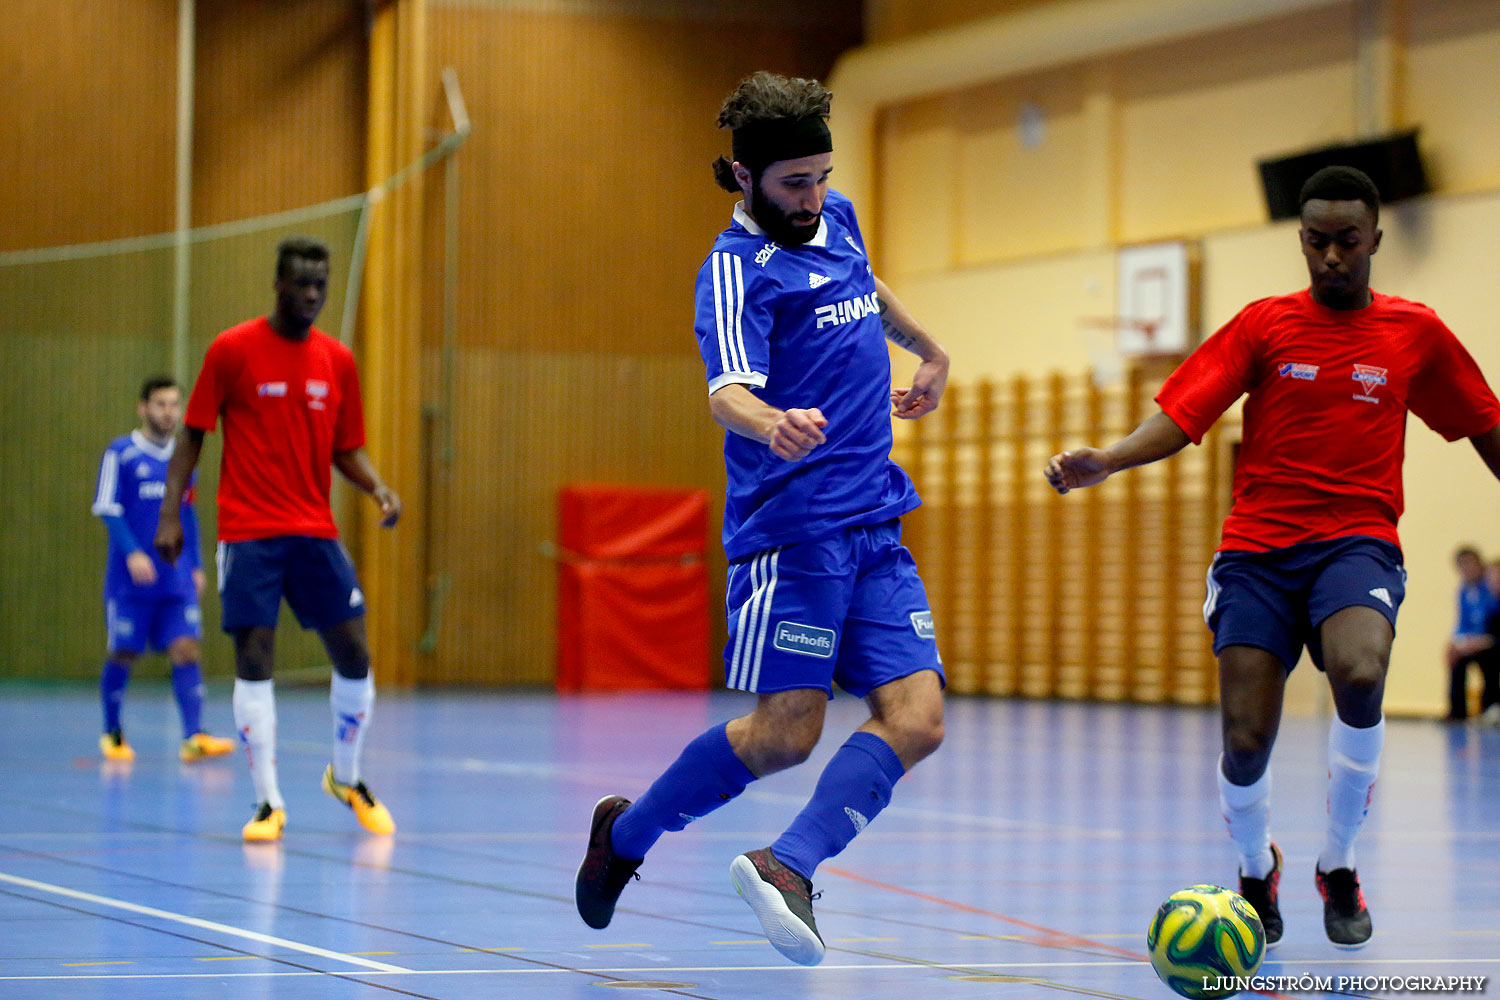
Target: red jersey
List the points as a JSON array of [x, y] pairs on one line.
[[287, 407], [1325, 421]]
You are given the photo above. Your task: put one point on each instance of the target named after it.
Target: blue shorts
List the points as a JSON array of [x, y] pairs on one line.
[[1278, 600], [315, 575], [137, 622], [849, 608]]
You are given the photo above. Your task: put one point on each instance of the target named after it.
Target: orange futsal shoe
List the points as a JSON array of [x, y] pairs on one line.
[[266, 825], [367, 809], [113, 746], [200, 745]]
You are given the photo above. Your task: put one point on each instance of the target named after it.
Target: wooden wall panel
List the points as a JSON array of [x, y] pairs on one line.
[[279, 120], [88, 120], [588, 205], [890, 20]]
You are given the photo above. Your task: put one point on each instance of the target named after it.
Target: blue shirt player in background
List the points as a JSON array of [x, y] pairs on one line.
[[791, 323], [149, 604]]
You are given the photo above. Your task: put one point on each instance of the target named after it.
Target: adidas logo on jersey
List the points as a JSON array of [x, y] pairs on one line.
[[1384, 595], [848, 310], [817, 280]]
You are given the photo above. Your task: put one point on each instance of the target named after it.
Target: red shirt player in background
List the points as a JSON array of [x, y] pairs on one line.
[[1310, 553], [289, 398]]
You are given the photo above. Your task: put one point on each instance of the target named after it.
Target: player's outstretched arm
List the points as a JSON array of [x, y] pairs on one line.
[[1156, 438], [903, 330], [790, 434], [168, 542], [356, 467]]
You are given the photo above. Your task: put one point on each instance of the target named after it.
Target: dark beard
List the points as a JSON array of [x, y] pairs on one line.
[[778, 224]]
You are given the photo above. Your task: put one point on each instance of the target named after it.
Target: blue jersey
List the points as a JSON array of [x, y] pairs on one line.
[[801, 326], [132, 482], [1474, 606]]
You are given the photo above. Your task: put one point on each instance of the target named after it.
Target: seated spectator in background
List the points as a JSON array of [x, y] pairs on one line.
[[1489, 660], [1470, 643]]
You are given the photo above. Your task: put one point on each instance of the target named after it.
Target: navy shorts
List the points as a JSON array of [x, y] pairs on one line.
[[141, 621], [315, 575], [1278, 600], [849, 608]]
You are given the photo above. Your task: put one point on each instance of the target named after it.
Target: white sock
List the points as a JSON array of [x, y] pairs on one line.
[[255, 717], [1353, 762], [352, 702], [1247, 810]]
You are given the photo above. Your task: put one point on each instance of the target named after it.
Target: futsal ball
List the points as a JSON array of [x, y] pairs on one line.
[[1203, 939]]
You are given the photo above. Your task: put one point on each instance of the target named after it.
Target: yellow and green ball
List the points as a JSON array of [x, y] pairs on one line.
[[1202, 933]]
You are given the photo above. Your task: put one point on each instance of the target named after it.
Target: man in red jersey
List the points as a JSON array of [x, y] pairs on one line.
[[1310, 553], [289, 398]]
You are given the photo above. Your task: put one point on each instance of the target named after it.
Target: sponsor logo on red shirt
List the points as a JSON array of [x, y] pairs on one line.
[[1368, 376], [1298, 370]]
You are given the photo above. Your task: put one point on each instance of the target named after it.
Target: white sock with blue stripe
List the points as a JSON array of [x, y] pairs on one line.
[[1353, 763], [255, 717]]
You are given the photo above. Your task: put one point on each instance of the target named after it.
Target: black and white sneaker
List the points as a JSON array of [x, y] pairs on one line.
[[1262, 894], [603, 874], [1345, 916], [782, 901]]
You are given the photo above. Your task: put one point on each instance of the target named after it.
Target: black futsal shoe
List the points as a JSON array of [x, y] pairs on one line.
[[782, 901], [1262, 894], [1345, 916], [603, 874]]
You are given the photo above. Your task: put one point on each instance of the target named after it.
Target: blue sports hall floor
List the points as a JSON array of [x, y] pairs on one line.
[[1024, 860]]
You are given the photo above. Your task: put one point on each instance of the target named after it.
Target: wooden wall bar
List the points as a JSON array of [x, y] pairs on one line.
[[1091, 595]]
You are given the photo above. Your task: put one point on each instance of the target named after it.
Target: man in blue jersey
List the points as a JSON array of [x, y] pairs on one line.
[[791, 322], [148, 603]]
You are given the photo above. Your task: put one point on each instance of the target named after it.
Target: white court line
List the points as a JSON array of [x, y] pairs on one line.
[[207, 925], [780, 967]]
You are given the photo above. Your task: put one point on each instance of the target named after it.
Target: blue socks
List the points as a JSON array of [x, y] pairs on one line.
[[706, 775], [852, 790], [187, 685], [112, 681]]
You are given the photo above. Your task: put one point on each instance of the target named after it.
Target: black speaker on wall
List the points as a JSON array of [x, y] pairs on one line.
[[1392, 162]]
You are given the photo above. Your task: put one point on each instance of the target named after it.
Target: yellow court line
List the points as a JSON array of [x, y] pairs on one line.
[[74, 965], [617, 946]]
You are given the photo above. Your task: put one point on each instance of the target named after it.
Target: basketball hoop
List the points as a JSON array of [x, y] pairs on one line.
[[1111, 341]]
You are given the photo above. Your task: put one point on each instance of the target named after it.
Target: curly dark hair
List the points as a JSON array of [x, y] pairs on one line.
[[763, 96]]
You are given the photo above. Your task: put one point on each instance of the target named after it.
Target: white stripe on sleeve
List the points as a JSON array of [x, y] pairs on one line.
[[724, 364], [105, 504], [739, 311]]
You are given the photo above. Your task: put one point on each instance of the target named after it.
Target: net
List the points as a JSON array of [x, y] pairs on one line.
[[80, 327]]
